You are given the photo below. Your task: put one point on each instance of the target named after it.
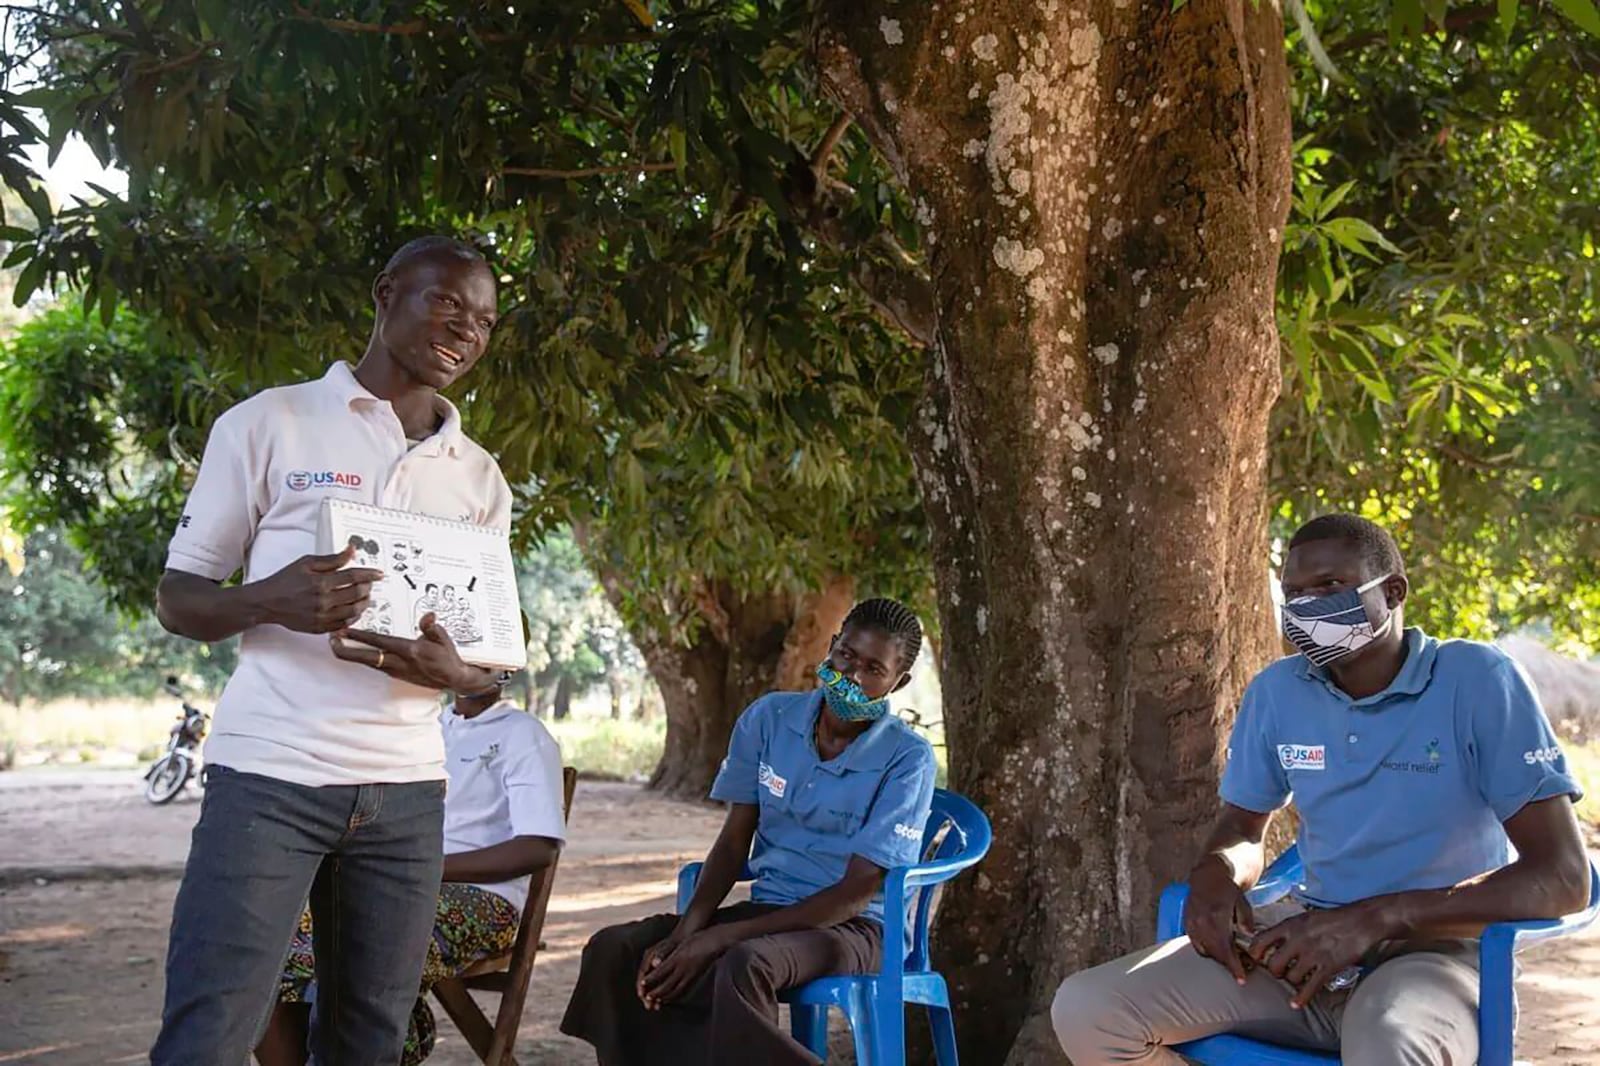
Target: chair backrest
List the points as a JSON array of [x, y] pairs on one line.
[[540, 884], [955, 828]]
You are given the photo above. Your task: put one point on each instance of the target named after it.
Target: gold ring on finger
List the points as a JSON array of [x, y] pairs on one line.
[[380, 659]]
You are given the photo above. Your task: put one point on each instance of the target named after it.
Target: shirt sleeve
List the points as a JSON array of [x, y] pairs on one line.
[[1254, 778], [1518, 758], [498, 514], [892, 833], [737, 779], [532, 780], [220, 517]]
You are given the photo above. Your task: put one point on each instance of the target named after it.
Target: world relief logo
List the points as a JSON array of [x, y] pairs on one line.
[[300, 480]]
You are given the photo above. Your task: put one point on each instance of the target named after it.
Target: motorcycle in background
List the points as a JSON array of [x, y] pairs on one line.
[[172, 771]]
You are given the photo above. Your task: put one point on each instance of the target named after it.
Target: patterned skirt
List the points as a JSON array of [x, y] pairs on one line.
[[472, 924]]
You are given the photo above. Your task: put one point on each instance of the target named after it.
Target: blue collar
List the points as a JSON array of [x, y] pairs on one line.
[[872, 750], [1415, 673]]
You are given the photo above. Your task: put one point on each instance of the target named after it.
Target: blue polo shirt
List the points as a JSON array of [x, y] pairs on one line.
[[871, 800], [1405, 789]]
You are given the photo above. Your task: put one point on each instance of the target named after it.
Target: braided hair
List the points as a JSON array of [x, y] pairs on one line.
[[895, 619]]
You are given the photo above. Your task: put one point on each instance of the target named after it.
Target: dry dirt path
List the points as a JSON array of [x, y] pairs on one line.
[[88, 871]]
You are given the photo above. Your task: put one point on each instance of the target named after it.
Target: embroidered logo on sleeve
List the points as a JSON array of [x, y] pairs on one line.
[[1541, 755], [908, 832], [1302, 756], [769, 779]]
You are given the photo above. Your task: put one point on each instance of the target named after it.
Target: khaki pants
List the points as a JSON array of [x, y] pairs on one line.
[[1419, 1007]]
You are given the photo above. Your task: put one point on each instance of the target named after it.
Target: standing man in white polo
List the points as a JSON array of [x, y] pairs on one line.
[[326, 767]]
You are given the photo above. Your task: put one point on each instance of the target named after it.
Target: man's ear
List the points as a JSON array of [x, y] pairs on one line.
[[383, 291], [1395, 591], [905, 679]]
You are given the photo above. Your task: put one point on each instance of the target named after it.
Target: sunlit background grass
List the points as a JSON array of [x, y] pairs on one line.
[[126, 733]]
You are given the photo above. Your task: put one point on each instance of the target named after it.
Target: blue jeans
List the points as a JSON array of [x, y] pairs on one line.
[[368, 858]]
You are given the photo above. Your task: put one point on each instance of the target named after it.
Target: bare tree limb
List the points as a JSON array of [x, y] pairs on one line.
[[641, 13], [418, 27], [392, 29], [903, 298], [1455, 20], [830, 141], [590, 172], [892, 280]]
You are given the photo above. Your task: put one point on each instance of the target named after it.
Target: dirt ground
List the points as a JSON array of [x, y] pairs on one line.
[[88, 872]]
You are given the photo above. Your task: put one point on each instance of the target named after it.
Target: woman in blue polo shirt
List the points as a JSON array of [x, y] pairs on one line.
[[826, 790]]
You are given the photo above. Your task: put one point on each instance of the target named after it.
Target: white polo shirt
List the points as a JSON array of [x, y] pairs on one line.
[[505, 781], [292, 710]]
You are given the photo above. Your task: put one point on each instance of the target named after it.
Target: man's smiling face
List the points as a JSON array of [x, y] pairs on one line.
[[437, 313]]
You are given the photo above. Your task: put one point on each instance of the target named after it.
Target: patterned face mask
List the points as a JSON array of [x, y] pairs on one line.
[[845, 698], [1333, 627]]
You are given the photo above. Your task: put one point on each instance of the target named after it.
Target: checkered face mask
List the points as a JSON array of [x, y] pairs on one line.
[[1332, 627]]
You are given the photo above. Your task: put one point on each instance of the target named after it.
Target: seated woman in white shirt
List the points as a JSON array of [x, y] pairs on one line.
[[502, 822]]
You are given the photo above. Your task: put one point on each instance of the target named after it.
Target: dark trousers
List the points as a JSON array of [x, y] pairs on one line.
[[730, 1016], [369, 859]]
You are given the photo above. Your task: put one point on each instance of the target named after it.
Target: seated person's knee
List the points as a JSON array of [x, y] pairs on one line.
[[611, 946], [1080, 1007], [741, 965]]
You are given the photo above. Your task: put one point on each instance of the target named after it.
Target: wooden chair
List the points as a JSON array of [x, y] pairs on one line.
[[506, 974]]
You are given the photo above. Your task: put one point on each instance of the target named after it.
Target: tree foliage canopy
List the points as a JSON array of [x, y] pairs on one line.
[[712, 280], [683, 366], [1440, 309]]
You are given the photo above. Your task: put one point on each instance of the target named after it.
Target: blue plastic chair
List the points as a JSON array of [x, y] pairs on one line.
[[1497, 1001], [875, 1003]]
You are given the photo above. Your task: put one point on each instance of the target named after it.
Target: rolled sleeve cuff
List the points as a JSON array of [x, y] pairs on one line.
[[532, 814], [1548, 787], [888, 858], [200, 563], [728, 789], [1259, 802]]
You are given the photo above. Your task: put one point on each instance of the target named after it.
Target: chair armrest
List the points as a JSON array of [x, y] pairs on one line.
[[1497, 1002], [933, 873], [1278, 879], [1514, 936], [1169, 915], [1275, 883], [689, 878]]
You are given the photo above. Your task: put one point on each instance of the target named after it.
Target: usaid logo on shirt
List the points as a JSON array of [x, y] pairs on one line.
[[1302, 756], [300, 480], [768, 778]]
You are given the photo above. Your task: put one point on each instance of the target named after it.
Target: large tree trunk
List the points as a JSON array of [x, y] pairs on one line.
[[1103, 186], [743, 647]]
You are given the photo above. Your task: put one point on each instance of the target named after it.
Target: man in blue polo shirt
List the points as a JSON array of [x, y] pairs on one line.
[[826, 790], [1416, 766]]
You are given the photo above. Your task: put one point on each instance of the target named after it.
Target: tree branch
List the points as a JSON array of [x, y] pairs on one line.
[[829, 142], [393, 29], [891, 279], [904, 298], [1455, 20], [172, 64], [590, 172], [417, 27], [641, 13]]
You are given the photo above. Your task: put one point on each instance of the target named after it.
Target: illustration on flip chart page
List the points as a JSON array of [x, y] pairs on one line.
[[458, 572]]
